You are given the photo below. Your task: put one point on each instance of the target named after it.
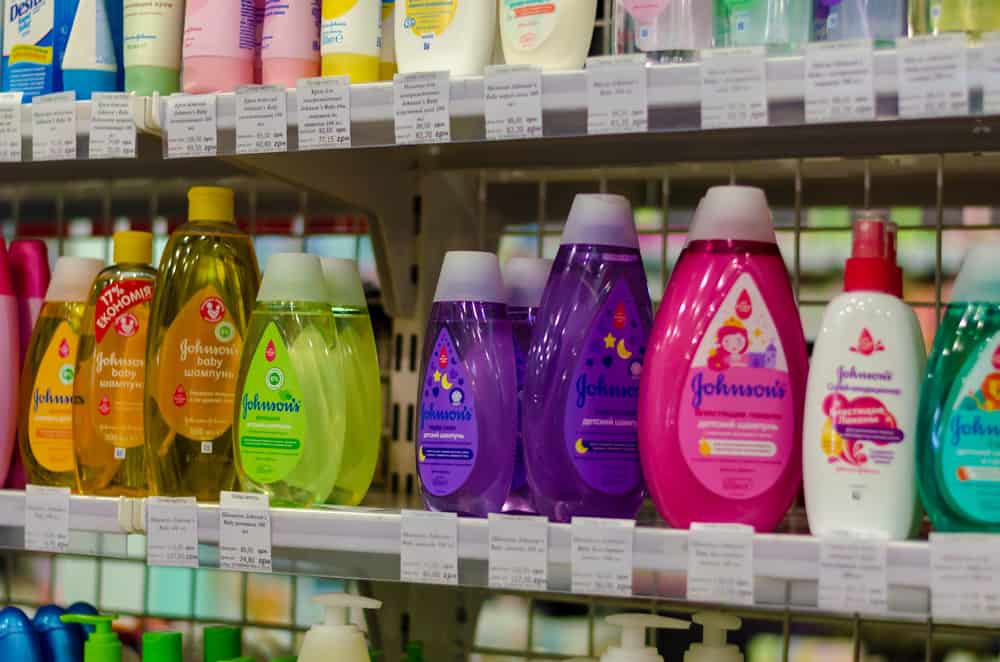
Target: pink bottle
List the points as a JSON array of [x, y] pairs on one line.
[[220, 39], [721, 398], [290, 48], [9, 347], [29, 270]]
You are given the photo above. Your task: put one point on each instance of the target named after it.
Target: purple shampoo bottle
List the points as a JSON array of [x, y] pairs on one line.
[[581, 389], [525, 279], [468, 396]]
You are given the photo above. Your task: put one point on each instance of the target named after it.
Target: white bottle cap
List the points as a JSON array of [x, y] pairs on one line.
[[737, 213], [605, 220], [344, 280], [72, 278], [713, 647], [337, 607], [470, 276], [525, 279], [633, 647], [978, 280], [293, 277]]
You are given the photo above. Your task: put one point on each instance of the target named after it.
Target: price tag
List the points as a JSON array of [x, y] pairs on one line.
[[513, 102], [965, 578], [601, 556], [422, 107], [933, 76], [46, 519], [852, 573], [324, 113], [428, 547], [172, 531], [720, 564], [617, 95], [261, 119], [10, 127], [244, 532], [53, 127], [191, 126], [733, 88], [991, 73], [112, 129], [840, 81], [519, 552]]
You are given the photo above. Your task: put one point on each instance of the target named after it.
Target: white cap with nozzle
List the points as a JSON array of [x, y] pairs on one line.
[[737, 213], [633, 647], [713, 647], [600, 219], [525, 279], [344, 280], [293, 277], [470, 276], [336, 638], [72, 278]]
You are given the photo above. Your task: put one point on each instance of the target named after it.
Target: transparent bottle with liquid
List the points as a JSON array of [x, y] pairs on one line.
[[973, 17], [781, 25], [665, 30]]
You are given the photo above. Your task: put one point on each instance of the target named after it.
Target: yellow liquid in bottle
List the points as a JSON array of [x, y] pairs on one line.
[[205, 290], [973, 17]]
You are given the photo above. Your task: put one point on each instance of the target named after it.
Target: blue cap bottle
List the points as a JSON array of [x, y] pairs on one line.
[[60, 642], [18, 640]]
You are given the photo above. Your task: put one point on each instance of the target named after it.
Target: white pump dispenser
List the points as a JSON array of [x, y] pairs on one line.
[[713, 647], [336, 638], [633, 647]]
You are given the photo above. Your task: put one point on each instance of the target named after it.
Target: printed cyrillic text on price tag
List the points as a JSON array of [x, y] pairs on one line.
[[852, 572], [428, 550], [720, 564], [244, 532], [601, 556], [840, 81], [46, 519], [513, 102], [617, 94], [519, 552], [324, 113], [10, 127], [421, 104], [965, 577], [172, 531], [191, 126], [933, 76], [53, 127], [112, 129], [261, 119], [733, 88]]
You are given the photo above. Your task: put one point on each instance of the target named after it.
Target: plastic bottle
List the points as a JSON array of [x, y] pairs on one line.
[[204, 292], [352, 39], [290, 421], [720, 413], [111, 373], [882, 21], [633, 645], [46, 403], [468, 405], [34, 40], [219, 42], [10, 347], [974, 17], [59, 641], [665, 30], [153, 46], [713, 647], [457, 36], [582, 381], [18, 639], [363, 380], [552, 34], [859, 439], [103, 644], [525, 279], [221, 643], [387, 56], [959, 422], [90, 63], [336, 638], [290, 42], [781, 25], [162, 647]]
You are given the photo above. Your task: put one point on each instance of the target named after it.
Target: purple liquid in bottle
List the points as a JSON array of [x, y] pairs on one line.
[[582, 383], [468, 407]]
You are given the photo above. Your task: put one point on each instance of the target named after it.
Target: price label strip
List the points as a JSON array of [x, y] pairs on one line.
[[112, 129], [601, 556], [617, 95], [965, 578], [513, 102], [421, 104], [733, 88], [261, 119], [720, 564], [428, 552], [191, 125], [53, 127], [324, 113], [519, 552], [10, 127], [172, 532], [852, 573], [933, 76], [840, 81], [244, 532], [46, 519]]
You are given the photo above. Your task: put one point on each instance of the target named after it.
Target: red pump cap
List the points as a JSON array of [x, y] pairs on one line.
[[872, 265]]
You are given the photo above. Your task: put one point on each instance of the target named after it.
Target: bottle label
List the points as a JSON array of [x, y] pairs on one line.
[[449, 438], [601, 410], [209, 29], [200, 358], [429, 18], [530, 22], [50, 413], [287, 29], [970, 433], [645, 11], [28, 46], [271, 424], [737, 415], [153, 33], [352, 26]]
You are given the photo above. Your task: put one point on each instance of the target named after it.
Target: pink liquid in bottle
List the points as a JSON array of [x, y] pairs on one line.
[[721, 400], [290, 48], [8, 369], [220, 39]]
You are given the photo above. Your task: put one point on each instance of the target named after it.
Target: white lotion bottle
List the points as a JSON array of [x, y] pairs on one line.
[[551, 34], [455, 36], [713, 646], [336, 638], [633, 647], [862, 398]]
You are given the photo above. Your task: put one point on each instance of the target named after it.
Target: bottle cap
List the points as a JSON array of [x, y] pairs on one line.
[[133, 247], [29, 267], [713, 647], [162, 647], [870, 267], [734, 213], [344, 281], [211, 203], [6, 282], [222, 643], [604, 220], [18, 639], [102, 645], [73, 278], [293, 277], [525, 279], [337, 606], [470, 276], [978, 280], [634, 628]]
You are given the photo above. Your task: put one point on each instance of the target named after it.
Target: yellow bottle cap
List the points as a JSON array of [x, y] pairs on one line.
[[133, 247], [210, 203]]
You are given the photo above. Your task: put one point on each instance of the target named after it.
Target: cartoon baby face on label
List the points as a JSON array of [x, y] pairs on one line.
[[731, 343]]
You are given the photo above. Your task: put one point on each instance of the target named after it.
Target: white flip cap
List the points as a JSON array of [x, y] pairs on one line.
[[337, 606], [634, 626], [525, 279], [605, 220], [713, 647], [293, 277], [737, 213], [978, 280], [470, 276], [72, 278], [344, 280]]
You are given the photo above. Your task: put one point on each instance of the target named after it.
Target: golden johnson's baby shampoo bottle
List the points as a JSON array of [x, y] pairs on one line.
[[205, 290], [111, 373], [46, 405], [289, 418]]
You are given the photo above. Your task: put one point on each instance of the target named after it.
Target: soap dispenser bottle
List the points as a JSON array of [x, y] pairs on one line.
[[60, 642], [633, 647], [102, 645], [335, 638], [18, 639], [713, 646]]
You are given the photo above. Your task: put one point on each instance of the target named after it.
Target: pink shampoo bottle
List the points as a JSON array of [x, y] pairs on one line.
[[290, 48], [220, 44], [721, 398], [9, 348]]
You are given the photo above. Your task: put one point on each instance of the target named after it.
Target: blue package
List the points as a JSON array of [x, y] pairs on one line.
[[18, 640], [83, 609], [35, 33], [60, 642]]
